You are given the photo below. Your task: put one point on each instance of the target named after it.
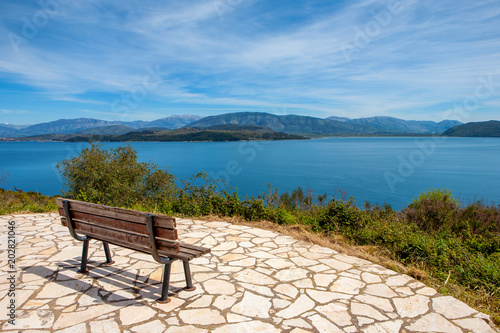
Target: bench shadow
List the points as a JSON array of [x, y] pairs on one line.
[[144, 288]]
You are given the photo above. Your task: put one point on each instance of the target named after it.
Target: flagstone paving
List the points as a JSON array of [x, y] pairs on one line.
[[253, 281]]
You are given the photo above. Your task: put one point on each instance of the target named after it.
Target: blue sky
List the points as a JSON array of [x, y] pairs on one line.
[[130, 60]]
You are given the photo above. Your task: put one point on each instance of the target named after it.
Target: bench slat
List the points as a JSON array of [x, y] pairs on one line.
[[181, 255], [135, 247], [139, 228], [195, 247], [199, 252], [130, 239], [188, 250], [187, 256], [117, 213]]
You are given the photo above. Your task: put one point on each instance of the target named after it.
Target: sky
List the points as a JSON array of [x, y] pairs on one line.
[[145, 60]]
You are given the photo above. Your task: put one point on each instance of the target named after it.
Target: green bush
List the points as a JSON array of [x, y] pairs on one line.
[[115, 178], [342, 216], [283, 216], [433, 210], [254, 210], [481, 219]]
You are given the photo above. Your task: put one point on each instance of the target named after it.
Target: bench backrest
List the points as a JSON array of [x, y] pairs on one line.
[[124, 227]]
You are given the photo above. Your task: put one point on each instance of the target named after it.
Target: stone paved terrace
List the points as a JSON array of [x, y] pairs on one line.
[[253, 281]]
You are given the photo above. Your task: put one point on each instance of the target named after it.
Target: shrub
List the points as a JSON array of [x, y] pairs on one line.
[[341, 216], [283, 216], [115, 178], [255, 210], [432, 210], [202, 195], [481, 219]]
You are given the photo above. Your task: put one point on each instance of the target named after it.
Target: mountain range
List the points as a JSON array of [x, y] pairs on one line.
[[290, 124], [67, 126], [330, 126], [395, 125]]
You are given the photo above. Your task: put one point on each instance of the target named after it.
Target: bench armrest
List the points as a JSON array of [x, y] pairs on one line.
[[71, 224], [152, 241]]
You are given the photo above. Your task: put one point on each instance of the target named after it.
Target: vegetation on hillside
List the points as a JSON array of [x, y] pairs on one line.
[[25, 202], [451, 247], [215, 133], [480, 129], [285, 123], [106, 130]]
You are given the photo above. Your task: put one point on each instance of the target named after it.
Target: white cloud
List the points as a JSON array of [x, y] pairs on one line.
[[91, 52], [5, 111]]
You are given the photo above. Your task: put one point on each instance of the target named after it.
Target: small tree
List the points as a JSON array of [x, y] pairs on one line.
[[433, 209], [115, 177]]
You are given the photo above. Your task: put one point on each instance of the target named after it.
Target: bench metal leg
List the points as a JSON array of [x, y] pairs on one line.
[[107, 252], [166, 281], [85, 253], [187, 274]]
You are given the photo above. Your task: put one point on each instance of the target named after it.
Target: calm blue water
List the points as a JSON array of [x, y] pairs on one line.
[[377, 170]]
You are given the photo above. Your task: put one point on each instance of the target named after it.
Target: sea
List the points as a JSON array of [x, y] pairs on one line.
[[377, 170]]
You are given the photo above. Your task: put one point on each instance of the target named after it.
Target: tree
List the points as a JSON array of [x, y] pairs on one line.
[[116, 178]]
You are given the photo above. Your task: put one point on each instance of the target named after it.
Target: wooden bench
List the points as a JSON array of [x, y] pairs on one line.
[[148, 233]]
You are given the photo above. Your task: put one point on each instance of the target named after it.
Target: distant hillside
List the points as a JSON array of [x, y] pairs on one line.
[[232, 127], [42, 137], [286, 124], [7, 130], [217, 133], [174, 122], [69, 126], [391, 125], [13, 126], [291, 124], [107, 130], [480, 129], [63, 126], [113, 130]]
